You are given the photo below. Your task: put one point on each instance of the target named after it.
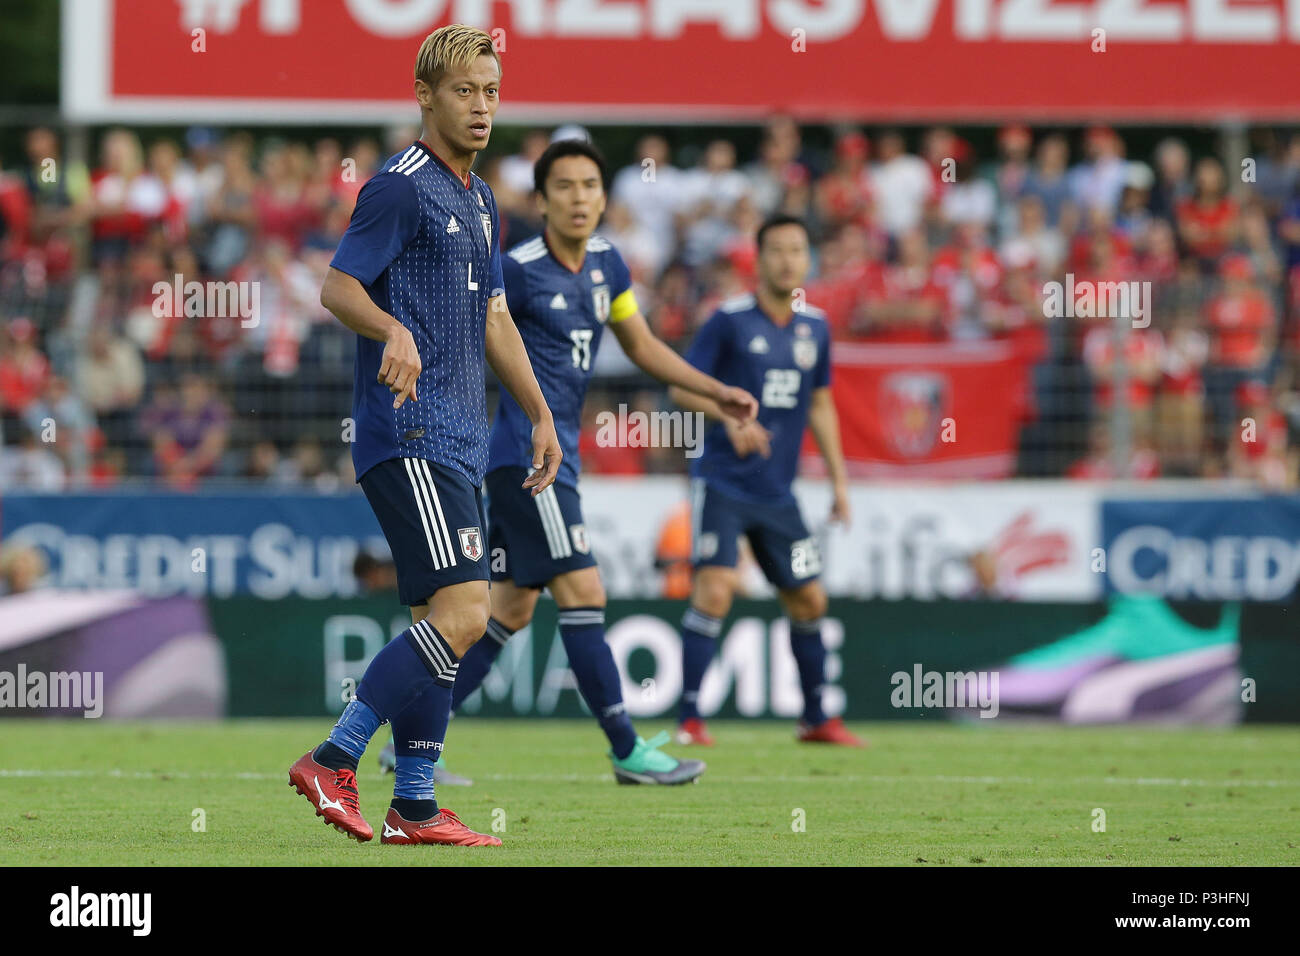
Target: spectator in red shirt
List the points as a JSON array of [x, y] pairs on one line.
[[1207, 220], [126, 198], [1143, 354], [15, 217], [844, 194], [1260, 454], [24, 371], [601, 457], [968, 272], [1157, 256], [1243, 333], [849, 273], [908, 305], [285, 207]]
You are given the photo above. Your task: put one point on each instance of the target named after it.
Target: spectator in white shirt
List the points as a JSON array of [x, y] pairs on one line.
[[901, 184]]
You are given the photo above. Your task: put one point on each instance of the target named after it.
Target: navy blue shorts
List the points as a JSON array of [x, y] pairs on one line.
[[433, 519], [534, 539], [787, 553]]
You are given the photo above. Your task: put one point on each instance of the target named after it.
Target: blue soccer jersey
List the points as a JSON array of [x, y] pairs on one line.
[[423, 242], [781, 366], [561, 315]]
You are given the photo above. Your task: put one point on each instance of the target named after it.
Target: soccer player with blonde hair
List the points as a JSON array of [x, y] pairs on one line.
[[418, 277]]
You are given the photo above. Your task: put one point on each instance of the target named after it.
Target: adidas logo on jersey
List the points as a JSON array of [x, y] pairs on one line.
[[558, 302], [452, 226], [758, 345]]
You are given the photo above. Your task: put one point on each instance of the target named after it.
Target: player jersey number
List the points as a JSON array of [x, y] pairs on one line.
[[781, 387], [581, 348]]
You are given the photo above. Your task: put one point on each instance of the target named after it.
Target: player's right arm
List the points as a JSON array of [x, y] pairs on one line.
[[706, 354], [657, 360], [344, 296], [385, 219]]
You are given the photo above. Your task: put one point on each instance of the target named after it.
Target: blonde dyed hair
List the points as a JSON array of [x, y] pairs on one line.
[[453, 47]]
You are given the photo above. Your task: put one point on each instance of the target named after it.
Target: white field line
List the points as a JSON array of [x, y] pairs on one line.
[[163, 775]]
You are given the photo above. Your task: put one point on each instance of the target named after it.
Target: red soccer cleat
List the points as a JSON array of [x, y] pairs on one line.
[[830, 731], [443, 827], [333, 794], [693, 731]]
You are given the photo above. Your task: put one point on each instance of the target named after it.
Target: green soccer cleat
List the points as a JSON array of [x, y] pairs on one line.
[[441, 775], [648, 764]]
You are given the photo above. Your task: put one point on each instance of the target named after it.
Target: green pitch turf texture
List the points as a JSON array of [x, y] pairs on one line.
[[933, 794]]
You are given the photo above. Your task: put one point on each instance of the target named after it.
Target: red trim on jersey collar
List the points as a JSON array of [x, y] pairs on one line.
[[547, 242], [428, 149]]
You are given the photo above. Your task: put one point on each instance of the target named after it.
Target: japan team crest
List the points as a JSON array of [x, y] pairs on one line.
[[805, 353], [471, 543], [600, 303], [486, 219], [578, 532]]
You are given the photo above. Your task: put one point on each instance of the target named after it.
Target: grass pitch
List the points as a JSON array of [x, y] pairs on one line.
[[94, 793]]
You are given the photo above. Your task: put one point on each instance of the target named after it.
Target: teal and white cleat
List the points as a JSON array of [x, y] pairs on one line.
[[441, 775], [648, 764]]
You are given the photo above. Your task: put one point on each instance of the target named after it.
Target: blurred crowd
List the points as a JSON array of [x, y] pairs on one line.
[[917, 239]]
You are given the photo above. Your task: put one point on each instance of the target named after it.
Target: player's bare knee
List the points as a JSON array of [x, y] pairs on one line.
[[512, 607], [807, 603], [592, 593], [462, 624], [713, 591], [513, 615]]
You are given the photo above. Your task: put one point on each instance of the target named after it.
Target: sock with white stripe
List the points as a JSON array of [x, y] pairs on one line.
[[583, 631], [478, 660], [397, 675], [699, 638], [810, 655], [433, 650], [418, 733]]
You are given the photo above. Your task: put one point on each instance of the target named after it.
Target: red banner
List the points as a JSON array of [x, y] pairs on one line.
[[929, 411], [585, 60]]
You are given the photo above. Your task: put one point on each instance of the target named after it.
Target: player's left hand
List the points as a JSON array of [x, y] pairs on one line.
[[738, 404], [546, 457], [841, 512]]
